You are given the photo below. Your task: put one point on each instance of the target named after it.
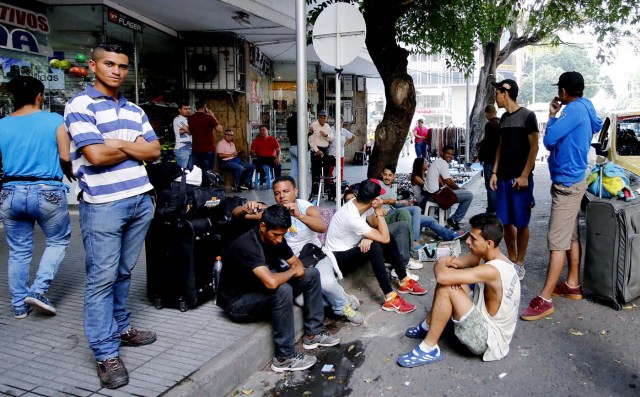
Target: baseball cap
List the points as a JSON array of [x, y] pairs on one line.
[[509, 86], [370, 189], [571, 81], [322, 113]]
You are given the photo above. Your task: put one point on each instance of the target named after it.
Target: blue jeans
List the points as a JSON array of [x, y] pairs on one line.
[[419, 221], [183, 157], [277, 306], [332, 291], [491, 194], [464, 201], [204, 160], [113, 234], [242, 172], [422, 149], [20, 207]]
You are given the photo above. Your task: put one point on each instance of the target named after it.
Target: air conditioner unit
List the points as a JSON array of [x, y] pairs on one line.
[[217, 68]]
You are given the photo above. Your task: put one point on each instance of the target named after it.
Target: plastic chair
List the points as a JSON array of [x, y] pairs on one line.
[[440, 214], [269, 172]]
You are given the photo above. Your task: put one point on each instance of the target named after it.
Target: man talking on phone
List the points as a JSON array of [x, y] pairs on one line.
[[512, 177], [568, 138]]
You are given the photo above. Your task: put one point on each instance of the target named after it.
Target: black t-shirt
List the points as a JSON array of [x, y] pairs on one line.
[[489, 144], [246, 253], [514, 135], [292, 129]]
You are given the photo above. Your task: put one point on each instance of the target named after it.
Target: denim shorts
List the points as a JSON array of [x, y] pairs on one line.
[[513, 207]]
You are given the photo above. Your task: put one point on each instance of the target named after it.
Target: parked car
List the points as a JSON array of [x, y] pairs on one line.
[[619, 142]]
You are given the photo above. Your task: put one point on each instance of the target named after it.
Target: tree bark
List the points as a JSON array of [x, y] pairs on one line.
[[391, 61]]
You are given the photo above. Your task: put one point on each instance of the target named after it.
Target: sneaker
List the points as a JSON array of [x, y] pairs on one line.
[[322, 339], [353, 301], [460, 235], [454, 225], [565, 291], [411, 287], [416, 332], [394, 275], [520, 270], [134, 337], [351, 315], [417, 357], [112, 373], [538, 308], [298, 362], [20, 312], [414, 264], [398, 305], [244, 187], [40, 303]]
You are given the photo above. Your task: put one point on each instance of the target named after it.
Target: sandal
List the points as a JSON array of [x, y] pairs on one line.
[[416, 332], [417, 357]]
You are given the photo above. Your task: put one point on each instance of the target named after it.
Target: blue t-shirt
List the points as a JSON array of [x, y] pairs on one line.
[[29, 147]]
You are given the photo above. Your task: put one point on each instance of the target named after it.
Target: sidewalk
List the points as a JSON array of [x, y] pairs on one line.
[[196, 350]]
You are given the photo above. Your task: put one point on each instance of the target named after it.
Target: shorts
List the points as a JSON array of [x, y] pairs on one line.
[[513, 207], [565, 209], [472, 331]]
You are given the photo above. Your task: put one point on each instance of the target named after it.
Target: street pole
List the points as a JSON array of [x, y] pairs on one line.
[[301, 97]]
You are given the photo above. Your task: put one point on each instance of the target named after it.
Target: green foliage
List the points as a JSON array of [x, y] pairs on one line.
[[549, 64]]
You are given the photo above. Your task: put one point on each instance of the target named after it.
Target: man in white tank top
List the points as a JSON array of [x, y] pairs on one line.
[[484, 322]]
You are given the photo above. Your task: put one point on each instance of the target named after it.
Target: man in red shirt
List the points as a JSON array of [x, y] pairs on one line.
[[202, 125], [266, 151]]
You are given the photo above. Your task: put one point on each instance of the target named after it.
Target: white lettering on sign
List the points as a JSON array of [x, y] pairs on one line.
[[22, 18]]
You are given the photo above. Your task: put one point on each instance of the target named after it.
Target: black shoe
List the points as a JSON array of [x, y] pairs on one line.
[[250, 185], [454, 225], [112, 373], [133, 337]]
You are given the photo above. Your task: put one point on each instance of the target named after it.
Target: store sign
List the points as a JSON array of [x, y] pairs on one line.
[[21, 39], [53, 80], [123, 20]]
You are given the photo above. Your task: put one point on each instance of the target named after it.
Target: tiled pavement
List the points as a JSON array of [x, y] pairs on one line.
[[49, 356]]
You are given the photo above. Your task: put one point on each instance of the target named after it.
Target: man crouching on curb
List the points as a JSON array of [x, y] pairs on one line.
[[484, 323]]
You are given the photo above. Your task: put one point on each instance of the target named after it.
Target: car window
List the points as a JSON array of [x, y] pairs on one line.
[[628, 136]]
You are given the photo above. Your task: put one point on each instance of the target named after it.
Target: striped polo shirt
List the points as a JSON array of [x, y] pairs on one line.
[[92, 116]]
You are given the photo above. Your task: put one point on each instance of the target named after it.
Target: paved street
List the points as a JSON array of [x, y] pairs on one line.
[[583, 349]]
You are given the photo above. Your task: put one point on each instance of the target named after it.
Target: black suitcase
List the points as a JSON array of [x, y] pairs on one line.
[[180, 258], [612, 258]]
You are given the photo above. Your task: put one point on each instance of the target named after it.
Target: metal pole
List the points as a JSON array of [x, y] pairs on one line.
[[468, 123], [301, 97], [135, 69], [338, 123]]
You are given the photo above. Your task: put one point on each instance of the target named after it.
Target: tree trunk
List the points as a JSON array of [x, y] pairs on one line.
[[484, 96], [391, 61]]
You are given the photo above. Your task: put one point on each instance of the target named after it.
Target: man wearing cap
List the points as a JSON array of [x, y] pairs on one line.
[[567, 138], [319, 139], [358, 232], [512, 176]]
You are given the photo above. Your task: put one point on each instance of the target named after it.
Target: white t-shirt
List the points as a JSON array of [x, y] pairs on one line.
[[347, 227], [181, 139], [345, 135], [439, 168], [299, 234], [501, 326]]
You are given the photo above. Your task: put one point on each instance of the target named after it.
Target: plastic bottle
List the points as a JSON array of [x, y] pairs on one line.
[[217, 268]]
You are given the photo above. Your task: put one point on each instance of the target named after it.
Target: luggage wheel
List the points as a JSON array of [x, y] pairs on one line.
[[183, 306], [158, 303]]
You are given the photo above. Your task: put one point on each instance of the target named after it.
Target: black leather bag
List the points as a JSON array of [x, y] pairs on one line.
[[445, 197], [311, 254]]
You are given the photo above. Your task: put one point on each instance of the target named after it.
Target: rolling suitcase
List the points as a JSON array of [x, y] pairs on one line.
[[612, 258], [180, 258]]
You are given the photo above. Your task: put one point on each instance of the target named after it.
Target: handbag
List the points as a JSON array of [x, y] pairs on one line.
[[310, 255], [445, 197]]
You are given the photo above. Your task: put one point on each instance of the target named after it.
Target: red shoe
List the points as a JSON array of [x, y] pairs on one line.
[[565, 291], [398, 305], [538, 308], [411, 287]]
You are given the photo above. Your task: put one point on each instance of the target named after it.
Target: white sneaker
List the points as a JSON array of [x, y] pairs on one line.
[[353, 301], [414, 277], [414, 264]]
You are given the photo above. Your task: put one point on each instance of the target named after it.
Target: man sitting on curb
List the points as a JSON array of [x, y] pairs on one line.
[[486, 323], [254, 286], [359, 233], [306, 223], [418, 221]]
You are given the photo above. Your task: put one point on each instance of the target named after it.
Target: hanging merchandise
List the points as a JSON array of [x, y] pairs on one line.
[[80, 58]]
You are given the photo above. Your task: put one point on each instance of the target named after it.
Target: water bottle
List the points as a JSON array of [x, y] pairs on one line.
[[217, 268]]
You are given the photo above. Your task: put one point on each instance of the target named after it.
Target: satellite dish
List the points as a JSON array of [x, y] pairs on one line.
[[202, 68], [339, 34]]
